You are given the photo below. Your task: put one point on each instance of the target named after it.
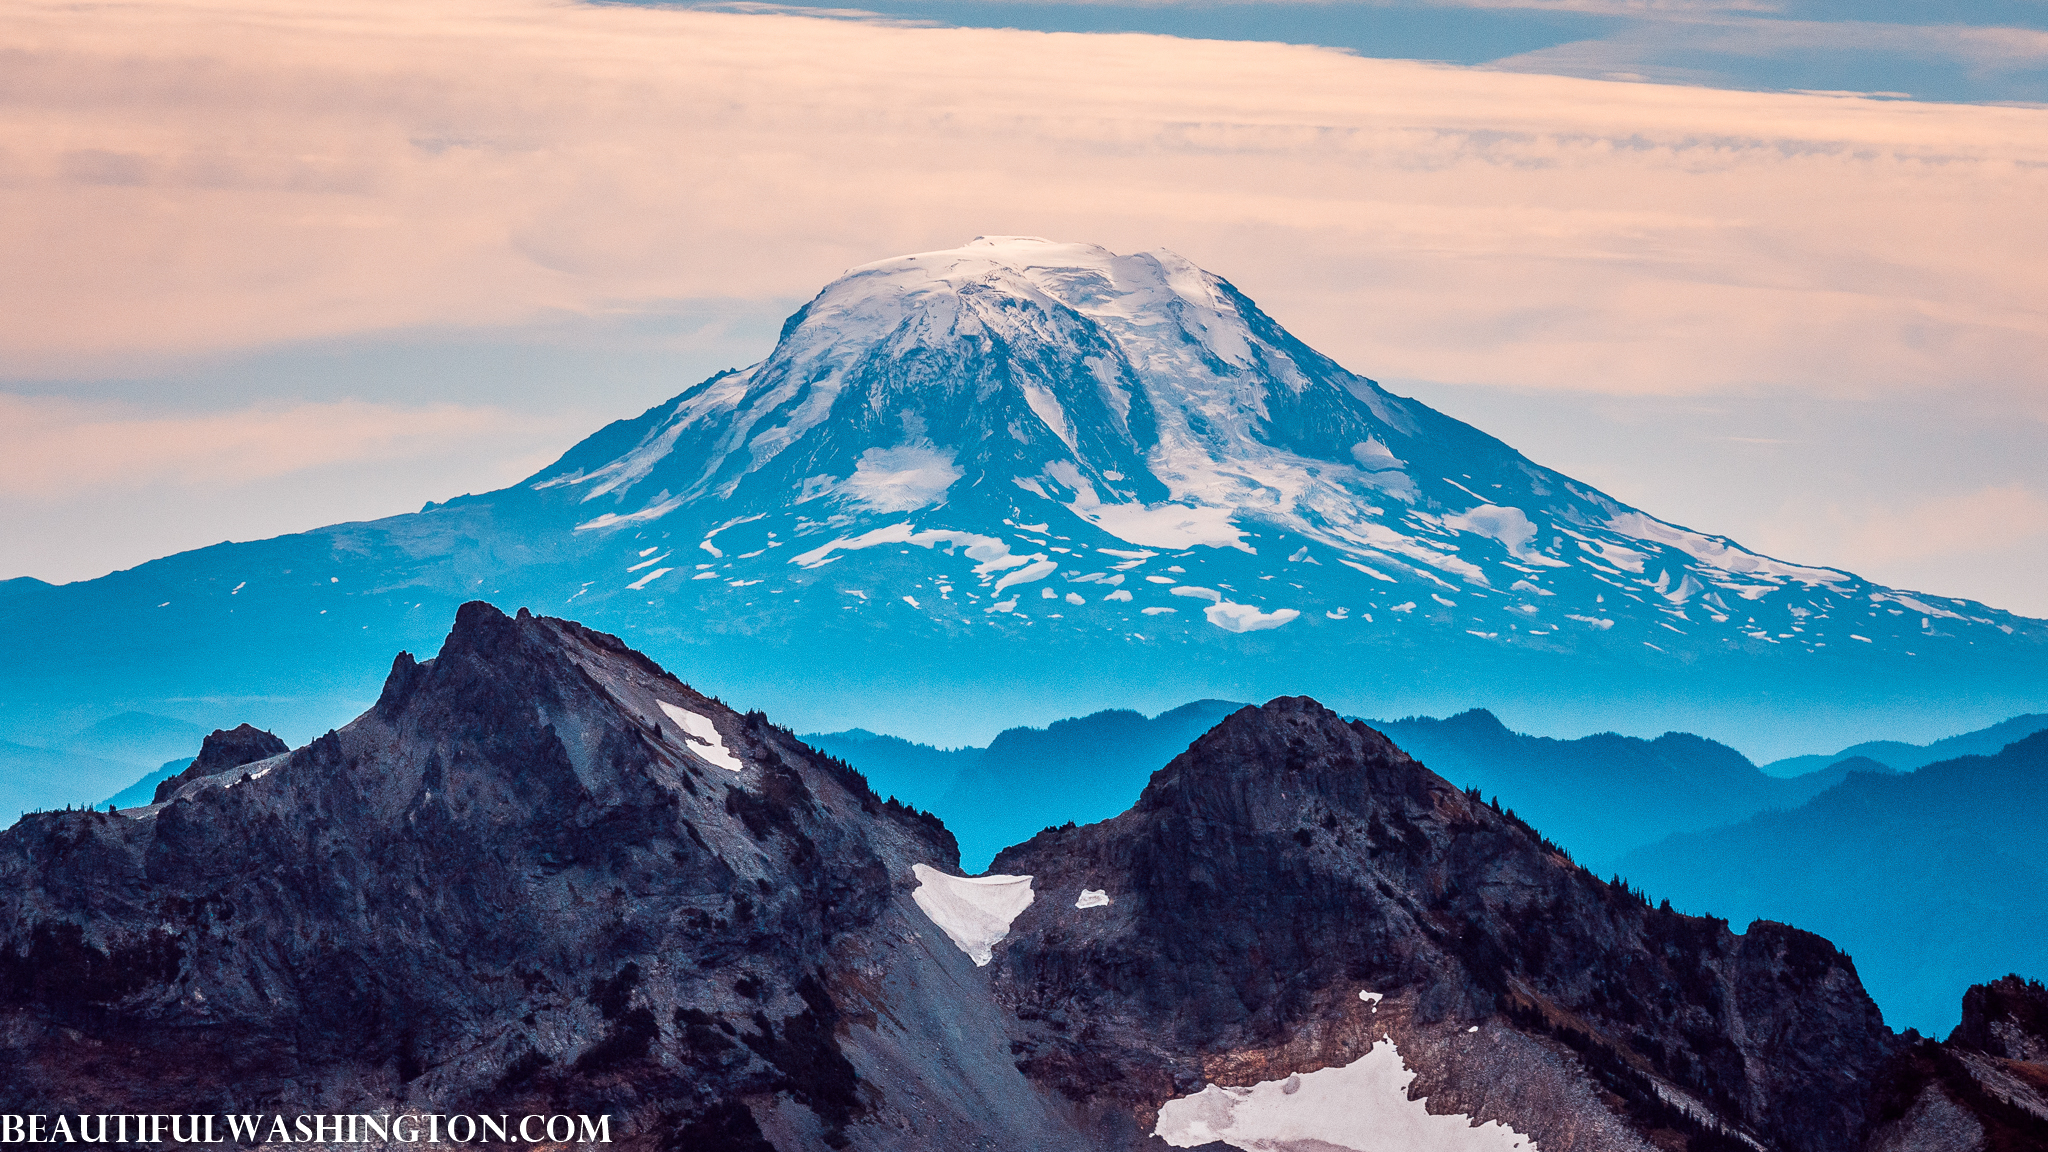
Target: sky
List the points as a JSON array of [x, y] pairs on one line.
[[1774, 271]]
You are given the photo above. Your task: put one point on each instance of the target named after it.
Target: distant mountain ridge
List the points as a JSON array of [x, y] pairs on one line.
[[1604, 794], [1905, 757], [1598, 795], [1078, 770], [1926, 877]]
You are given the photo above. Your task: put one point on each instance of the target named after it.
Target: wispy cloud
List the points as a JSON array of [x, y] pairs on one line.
[[1683, 46], [1987, 543], [88, 487], [183, 177], [54, 447]]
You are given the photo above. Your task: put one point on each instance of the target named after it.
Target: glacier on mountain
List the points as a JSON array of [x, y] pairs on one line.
[[944, 450], [978, 395]]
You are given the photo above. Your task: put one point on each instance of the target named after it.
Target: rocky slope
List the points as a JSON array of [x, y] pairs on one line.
[[1984, 1090], [1290, 861], [542, 874], [539, 875]]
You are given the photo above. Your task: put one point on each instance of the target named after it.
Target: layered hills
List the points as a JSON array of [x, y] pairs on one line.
[[542, 874], [1025, 479], [1936, 873]]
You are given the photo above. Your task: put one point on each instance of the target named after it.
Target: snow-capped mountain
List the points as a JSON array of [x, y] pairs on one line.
[[1021, 437], [1048, 477]]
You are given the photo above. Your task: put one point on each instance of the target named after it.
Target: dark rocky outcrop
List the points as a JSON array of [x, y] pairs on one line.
[[2007, 1018], [223, 750], [1290, 860], [513, 885], [1984, 1090]]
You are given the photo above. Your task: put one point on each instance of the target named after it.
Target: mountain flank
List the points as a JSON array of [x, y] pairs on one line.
[[1022, 473]]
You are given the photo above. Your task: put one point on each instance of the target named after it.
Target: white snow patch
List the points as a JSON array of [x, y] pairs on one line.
[[1595, 621], [1159, 611], [1245, 618], [989, 554], [1209, 594], [1168, 525], [1119, 594], [1408, 607], [702, 731], [1093, 898], [1140, 557], [1626, 559], [655, 511], [1075, 598], [973, 911], [1510, 526], [1370, 997], [1373, 456], [1920, 606], [1036, 570], [238, 587], [910, 600], [1372, 572], [650, 563], [901, 479], [1717, 551], [657, 574], [1009, 605], [1362, 1106]]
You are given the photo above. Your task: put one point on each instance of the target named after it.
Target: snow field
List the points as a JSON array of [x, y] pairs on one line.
[[973, 911], [1362, 1106]]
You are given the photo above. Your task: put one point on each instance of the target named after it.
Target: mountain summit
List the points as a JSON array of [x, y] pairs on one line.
[[1045, 477]]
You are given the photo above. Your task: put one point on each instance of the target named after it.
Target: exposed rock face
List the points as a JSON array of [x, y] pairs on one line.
[[222, 750], [1985, 1090], [1289, 861], [2006, 1018], [513, 885], [541, 874]]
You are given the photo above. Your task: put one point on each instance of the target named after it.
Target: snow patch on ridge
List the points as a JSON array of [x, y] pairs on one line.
[[1718, 551], [1232, 617], [989, 554], [901, 479], [1362, 1106], [973, 911], [1510, 526], [702, 730]]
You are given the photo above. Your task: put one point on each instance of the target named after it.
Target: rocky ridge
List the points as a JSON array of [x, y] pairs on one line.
[[542, 874]]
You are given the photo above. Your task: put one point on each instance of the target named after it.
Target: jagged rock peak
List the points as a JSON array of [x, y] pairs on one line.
[[2008, 1018], [224, 749], [1306, 890]]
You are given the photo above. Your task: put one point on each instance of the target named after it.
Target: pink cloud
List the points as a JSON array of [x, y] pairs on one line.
[[185, 178]]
